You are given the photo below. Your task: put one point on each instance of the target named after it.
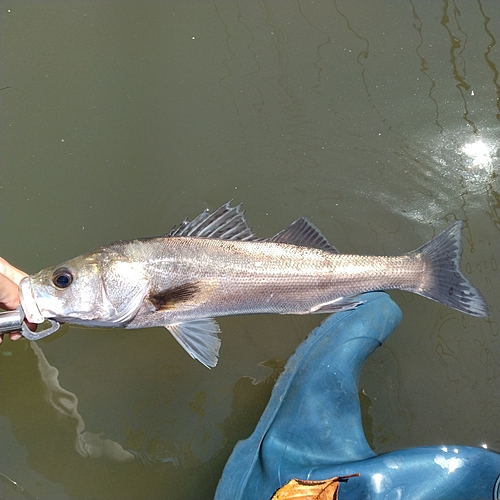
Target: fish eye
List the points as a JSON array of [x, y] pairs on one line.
[[62, 277]]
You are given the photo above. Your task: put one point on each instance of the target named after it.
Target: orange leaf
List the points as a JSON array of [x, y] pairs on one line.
[[300, 489]]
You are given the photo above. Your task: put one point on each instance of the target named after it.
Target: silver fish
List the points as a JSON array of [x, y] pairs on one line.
[[215, 266]]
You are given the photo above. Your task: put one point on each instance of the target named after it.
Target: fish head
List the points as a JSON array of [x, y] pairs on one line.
[[93, 290]]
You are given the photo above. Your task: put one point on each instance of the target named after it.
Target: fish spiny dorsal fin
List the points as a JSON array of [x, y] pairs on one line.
[[225, 223], [303, 233]]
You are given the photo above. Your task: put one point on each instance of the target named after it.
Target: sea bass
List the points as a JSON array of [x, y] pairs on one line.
[[215, 266]]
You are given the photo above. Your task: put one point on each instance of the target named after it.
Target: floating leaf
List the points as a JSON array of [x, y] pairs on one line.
[[301, 489]]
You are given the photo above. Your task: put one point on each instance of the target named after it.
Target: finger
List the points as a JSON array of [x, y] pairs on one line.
[[13, 273], [12, 336], [15, 335], [9, 293]]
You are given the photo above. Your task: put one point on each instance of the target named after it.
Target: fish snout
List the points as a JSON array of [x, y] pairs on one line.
[[30, 307]]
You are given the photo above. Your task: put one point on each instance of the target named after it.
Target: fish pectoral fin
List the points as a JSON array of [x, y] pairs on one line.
[[303, 233], [338, 305], [199, 338]]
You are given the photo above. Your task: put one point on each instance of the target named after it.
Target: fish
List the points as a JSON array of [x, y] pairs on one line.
[[214, 266]]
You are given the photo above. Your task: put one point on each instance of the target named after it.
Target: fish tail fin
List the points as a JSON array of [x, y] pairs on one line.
[[448, 284]]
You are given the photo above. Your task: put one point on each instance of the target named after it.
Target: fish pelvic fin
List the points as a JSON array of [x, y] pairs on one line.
[[448, 284], [199, 338]]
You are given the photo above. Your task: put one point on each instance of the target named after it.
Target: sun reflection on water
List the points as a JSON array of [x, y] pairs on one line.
[[479, 154]]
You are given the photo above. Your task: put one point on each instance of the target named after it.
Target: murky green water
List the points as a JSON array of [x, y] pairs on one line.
[[379, 120]]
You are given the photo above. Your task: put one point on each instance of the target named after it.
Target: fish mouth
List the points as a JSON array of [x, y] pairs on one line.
[[30, 307]]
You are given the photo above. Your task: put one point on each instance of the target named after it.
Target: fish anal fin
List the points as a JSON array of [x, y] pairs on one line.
[[304, 233], [199, 339], [188, 294], [338, 305]]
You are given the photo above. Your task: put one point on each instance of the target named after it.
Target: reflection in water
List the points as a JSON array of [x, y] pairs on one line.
[[363, 55], [460, 159], [424, 66], [457, 43], [480, 154], [87, 444], [97, 467], [487, 56], [14, 486]]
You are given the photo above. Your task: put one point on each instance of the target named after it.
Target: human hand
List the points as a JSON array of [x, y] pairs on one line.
[[10, 277]]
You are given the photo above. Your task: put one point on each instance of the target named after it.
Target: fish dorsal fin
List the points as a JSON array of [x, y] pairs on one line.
[[225, 223], [303, 233]]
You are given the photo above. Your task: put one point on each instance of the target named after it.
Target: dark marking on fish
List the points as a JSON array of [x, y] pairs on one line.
[[171, 297]]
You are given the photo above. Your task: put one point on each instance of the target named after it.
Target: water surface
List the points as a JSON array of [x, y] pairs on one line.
[[379, 120]]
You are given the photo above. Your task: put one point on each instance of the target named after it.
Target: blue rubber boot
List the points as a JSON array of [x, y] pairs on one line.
[[311, 427]]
